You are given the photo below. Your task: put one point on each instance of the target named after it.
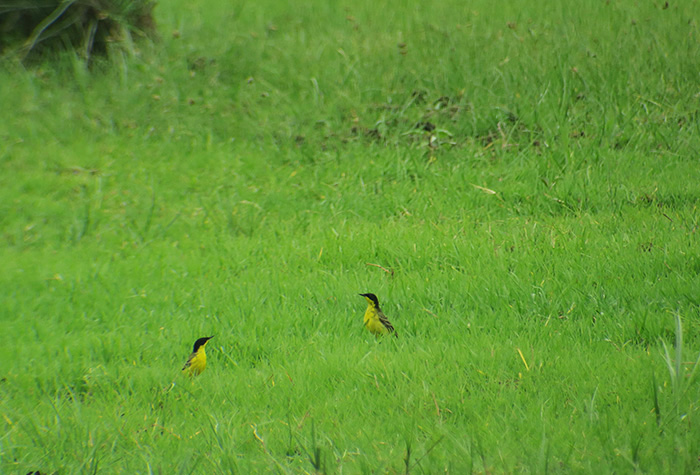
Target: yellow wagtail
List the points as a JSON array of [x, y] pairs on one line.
[[198, 359], [375, 320]]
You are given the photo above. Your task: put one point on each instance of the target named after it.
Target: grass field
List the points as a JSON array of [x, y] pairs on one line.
[[518, 183]]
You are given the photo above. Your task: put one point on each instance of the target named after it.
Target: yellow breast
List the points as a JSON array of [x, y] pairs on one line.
[[373, 323], [197, 362]]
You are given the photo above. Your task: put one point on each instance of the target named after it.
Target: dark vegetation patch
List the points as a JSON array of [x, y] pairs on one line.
[[31, 29]]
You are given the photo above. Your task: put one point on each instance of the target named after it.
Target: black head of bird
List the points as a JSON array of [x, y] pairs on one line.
[[372, 298], [201, 342]]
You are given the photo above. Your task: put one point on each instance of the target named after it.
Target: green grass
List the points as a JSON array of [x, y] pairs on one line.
[[526, 175]]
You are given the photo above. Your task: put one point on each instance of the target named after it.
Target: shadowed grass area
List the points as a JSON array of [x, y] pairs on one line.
[[517, 184]]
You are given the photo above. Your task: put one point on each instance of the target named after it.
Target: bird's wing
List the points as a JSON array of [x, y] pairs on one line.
[[387, 324], [188, 363]]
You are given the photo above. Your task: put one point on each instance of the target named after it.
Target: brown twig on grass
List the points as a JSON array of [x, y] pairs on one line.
[[431, 313], [388, 271]]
